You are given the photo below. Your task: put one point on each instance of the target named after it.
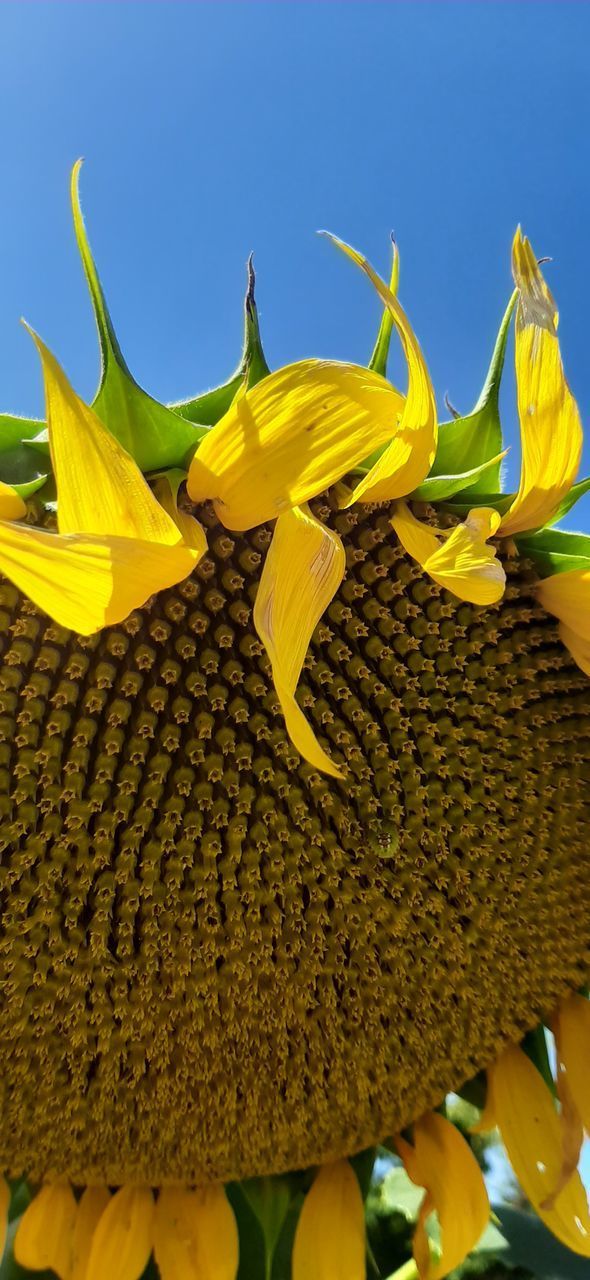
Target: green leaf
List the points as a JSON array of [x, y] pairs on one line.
[[477, 438], [252, 1247], [398, 1194], [465, 502], [19, 466], [363, 1167], [378, 361], [209, 407], [532, 1246], [270, 1199], [437, 488], [153, 434], [556, 550], [474, 1091], [535, 1047]]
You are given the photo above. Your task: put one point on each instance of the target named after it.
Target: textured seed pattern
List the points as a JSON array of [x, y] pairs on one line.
[[215, 962]]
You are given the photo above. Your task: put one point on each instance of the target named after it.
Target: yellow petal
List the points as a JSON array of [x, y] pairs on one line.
[[572, 1129], [409, 457], [458, 559], [86, 582], [122, 1240], [100, 488], [290, 437], [303, 569], [567, 597], [550, 427], [330, 1236], [531, 1132], [44, 1235], [4, 1206], [443, 1163], [578, 646], [572, 1034], [12, 506], [91, 1207], [192, 533], [195, 1235]]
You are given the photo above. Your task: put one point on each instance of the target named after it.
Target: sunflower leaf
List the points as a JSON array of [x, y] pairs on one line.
[[556, 550], [209, 407], [154, 435], [477, 437]]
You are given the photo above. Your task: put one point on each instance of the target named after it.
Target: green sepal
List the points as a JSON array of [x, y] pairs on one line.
[[270, 1199], [363, 1165], [209, 407], [378, 361], [576, 492], [154, 435], [535, 1047], [437, 488], [555, 550], [477, 437], [474, 1091], [19, 465], [499, 501]]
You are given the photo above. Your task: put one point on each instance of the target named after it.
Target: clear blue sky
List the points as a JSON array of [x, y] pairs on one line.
[[213, 129]]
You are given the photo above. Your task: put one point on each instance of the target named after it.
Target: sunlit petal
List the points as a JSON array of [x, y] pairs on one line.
[[550, 427], [409, 456], [44, 1235], [122, 1240], [441, 1161], [290, 437], [12, 506], [458, 559], [330, 1236], [303, 569], [567, 597], [531, 1132]]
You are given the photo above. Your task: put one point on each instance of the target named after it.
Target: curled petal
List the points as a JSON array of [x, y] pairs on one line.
[[44, 1235], [550, 427], [290, 437], [12, 506], [122, 1240], [410, 454], [303, 569], [330, 1236], [195, 1235], [86, 582], [458, 559], [91, 1207], [572, 1034], [442, 1162], [532, 1134], [100, 488]]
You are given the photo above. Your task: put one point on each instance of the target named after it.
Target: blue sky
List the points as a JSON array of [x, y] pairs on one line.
[[213, 129]]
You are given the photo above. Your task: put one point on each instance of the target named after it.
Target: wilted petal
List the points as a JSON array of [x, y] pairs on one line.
[[44, 1235], [100, 488], [91, 1207], [12, 506], [122, 1240], [409, 456], [458, 559], [303, 569], [330, 1236], [550, 427], [86, 582], [442, 1162], [290, 437], [531, 1132]]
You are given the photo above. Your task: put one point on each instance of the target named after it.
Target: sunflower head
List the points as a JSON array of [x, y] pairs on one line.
[[294, 752]]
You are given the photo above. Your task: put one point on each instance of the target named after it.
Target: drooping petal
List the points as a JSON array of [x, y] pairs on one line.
[[100, 488], [12, 506], [409, 456], [572, 1034], [122, 1240], [4, 1206], [86, 582], [531, 1132], [303, 569], [550, 427], [572, 1129], [91, 1207], [195, 1235], [442, 1162], [458, 559], [567, 597], [330, 1236], [192, 533], [290, 437], [44, 1235]]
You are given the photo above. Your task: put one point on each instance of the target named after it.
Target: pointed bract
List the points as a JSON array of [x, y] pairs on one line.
[[303, 569], [441, 1161], [330, 1235]]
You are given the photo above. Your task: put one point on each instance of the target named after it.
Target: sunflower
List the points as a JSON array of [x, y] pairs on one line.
[[294, 754]]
